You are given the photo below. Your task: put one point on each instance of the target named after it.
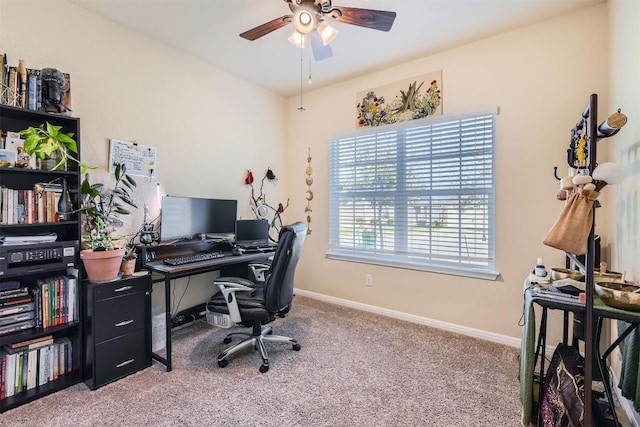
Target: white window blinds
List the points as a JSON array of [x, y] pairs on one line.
[[417, 194]]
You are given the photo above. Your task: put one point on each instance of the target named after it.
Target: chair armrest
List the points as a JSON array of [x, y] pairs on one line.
[[228, 286], [259, 269]]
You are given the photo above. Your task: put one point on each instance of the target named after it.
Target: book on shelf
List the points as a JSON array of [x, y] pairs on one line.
[[32, 88], [3, 375], [16, 318], [4, 78], [13, 301], [12, 87], [32, 369], [32, 343], [16, 327], [10, 349], [9, 285], [18, 308], [14, 292], [10, 374]]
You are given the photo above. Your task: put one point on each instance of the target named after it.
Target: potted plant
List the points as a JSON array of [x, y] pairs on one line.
[[51, 147], [100, 211], [128, 265]]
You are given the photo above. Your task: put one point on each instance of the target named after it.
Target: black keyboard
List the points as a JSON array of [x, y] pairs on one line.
[[188, 259]]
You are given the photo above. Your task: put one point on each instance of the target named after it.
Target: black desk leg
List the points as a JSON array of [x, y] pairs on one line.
[[167, 312], [166, 361]]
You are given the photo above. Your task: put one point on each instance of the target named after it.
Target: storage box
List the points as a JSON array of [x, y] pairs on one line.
[[158, 328], [218, 319]]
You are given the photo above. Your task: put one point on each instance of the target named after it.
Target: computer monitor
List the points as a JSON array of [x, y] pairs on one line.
[[189, 217]]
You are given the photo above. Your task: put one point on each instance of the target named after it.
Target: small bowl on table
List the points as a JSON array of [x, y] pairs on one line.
[[619, 294], [565, 273], [609, 276]]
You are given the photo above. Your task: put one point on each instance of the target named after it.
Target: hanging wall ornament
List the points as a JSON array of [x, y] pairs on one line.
[[309, 181]]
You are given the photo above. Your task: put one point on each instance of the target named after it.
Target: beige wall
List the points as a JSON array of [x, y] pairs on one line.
[[127, 87], [538, 78]]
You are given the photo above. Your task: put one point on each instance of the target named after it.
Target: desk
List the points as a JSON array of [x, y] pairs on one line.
[[174, 272], [528, 355]]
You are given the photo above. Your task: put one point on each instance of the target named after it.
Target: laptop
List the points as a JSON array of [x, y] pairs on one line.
[[253, 234]]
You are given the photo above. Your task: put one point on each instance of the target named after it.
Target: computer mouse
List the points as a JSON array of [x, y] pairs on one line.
[[237, 251]]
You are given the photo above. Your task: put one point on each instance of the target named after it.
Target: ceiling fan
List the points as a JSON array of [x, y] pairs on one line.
[[310, 19]]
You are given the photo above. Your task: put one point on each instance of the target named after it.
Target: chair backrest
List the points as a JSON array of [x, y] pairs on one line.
[[278, 290]]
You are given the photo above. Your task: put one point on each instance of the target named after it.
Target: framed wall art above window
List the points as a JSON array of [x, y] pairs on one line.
[[401, 101]]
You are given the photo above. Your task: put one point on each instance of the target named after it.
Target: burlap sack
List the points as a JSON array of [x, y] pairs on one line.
[[571, 230]]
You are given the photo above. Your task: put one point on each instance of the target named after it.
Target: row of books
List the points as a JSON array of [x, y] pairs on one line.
[[30, 206], [54, 302], [22, 86], [30, 364]]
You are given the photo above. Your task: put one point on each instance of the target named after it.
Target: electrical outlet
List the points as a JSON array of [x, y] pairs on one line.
[[368, 279]]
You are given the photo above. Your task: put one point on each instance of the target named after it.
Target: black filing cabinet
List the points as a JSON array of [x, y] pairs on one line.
[[117, 329]]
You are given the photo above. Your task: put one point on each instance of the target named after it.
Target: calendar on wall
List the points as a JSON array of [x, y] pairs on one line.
[[139, 159]]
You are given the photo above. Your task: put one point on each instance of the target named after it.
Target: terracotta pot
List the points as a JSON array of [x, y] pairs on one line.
[[102, 266], [128, 266]]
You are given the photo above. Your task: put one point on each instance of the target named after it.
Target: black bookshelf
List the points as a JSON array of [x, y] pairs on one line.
[[30, 263]]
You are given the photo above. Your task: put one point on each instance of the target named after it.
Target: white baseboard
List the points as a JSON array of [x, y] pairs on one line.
[[625, 404], [463, 330]]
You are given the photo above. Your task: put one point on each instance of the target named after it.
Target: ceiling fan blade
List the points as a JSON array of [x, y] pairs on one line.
[[266, 28], [375, 19], [320, 50]]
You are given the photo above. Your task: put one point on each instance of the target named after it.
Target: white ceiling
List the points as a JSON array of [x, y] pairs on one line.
[[209, 29]]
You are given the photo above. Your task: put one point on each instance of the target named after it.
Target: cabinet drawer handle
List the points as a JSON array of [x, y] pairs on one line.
[[124, 323], [125, 363], [124, 288]]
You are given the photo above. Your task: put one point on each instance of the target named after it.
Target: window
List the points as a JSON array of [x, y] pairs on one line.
[[417, 194]]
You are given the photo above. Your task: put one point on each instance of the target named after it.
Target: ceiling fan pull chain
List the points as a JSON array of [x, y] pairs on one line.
[[301, 108], [309, 59]]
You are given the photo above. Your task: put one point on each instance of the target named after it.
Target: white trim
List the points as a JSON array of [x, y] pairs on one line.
[[451, 327], [355, 256]]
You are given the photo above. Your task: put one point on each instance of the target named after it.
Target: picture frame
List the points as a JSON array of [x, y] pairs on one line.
[[404, 100], [8, 158]]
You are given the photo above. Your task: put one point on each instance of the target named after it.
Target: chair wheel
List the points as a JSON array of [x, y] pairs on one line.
[[296, 347], [226, 340], [223, 363], [264, 368]]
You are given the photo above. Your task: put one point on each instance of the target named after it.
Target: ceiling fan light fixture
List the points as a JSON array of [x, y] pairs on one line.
[[327, 32], [304, 21], [297, 39]]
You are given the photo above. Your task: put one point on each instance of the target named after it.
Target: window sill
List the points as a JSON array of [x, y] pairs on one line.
[[378, 260]]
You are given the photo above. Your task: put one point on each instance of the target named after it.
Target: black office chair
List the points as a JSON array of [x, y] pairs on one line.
[[250, 305]]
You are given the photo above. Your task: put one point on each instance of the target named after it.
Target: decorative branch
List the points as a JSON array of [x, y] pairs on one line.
[[261, 209]]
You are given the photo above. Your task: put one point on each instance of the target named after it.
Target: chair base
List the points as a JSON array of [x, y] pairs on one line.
[[257, 341]]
